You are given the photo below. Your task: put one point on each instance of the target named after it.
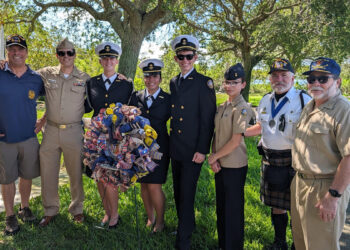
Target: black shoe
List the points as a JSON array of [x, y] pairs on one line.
[[11, 225], [26, 215], [277, 245], [115, 225]]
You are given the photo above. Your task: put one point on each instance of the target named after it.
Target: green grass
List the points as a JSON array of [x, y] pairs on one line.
[[64, 234]]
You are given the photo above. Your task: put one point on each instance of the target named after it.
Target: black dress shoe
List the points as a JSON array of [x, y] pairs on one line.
[[115, 225]]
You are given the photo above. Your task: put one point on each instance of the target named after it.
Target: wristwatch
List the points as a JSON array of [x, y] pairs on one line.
[[334, 193]]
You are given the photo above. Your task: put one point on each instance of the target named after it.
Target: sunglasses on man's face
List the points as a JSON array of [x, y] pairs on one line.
[[188, 57], [320, 79], [63, 53]]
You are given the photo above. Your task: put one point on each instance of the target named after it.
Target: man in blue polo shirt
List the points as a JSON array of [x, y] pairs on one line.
[[19, 88]]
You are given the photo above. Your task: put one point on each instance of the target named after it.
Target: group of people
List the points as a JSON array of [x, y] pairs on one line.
[[304, 142]]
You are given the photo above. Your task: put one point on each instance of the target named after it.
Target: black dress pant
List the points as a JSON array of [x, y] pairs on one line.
[[229, 186], [185, 177]]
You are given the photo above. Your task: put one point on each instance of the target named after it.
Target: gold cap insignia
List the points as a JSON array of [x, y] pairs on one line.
[[108, 48], [318, 65], [184, 41], [31, 94], [150, 66]]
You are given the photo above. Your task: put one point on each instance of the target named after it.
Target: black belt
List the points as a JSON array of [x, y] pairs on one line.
[[275, 154], [62, 126]]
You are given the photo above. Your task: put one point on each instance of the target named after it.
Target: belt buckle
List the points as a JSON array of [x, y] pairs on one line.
[[62, 126]]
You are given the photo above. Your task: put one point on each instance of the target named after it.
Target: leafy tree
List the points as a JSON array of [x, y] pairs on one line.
[[133, 21]]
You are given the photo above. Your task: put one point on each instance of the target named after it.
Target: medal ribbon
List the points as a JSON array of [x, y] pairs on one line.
[[274, 111]]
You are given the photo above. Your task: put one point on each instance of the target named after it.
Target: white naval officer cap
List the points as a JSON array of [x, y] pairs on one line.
[[185, 42], [108, 49], [151, 66]]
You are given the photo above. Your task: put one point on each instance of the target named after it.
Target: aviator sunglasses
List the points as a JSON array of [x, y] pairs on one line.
[[68, 53], [188, 57], [320, 79]]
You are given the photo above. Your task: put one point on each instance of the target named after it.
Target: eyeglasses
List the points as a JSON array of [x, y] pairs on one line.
[[188, 57], [282, 123], [320, 79], [231, 83], [63, 53]]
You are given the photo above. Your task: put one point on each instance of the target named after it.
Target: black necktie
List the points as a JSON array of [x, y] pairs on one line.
[[108, 83], [180, 81], [148, 98]]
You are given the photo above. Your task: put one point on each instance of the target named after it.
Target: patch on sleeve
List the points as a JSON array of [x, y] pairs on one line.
[[210, 84], [244, 112]]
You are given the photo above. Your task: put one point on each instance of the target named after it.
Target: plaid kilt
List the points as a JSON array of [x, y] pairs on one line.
[[270, 196]]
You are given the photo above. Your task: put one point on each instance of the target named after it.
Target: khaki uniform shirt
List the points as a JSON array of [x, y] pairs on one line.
[[232, 118], [64, 96], [322, 137]]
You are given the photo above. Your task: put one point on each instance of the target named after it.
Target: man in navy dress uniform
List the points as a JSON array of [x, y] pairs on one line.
[[193, 106]]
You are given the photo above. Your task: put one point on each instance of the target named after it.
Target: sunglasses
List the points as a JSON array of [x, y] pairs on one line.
[[320, 79], [63, 53], [231, 83], [188, 57]]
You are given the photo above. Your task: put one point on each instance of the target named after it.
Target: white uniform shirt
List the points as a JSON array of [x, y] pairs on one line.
[[272, 137], [111, 79], [149, 100]]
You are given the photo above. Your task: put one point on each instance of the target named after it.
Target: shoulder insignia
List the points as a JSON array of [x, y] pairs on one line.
[[98, 78], [190, 78], [244, 112], [210, 84], [160, 96], [263, 111]]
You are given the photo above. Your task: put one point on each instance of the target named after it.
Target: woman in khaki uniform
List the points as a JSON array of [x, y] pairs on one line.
[[229, 160]]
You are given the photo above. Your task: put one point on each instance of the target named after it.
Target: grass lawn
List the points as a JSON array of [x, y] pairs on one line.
[[64, 234]]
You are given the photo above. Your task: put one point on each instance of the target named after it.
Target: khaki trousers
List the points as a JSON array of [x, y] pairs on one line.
[[68, 141], [309, 231]]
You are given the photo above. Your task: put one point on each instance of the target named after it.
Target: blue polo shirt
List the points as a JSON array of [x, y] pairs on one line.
[[18, 97]]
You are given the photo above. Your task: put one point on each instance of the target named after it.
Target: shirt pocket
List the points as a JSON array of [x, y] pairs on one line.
[[319, 135], [77, 94], [291, 125], [264, 118], [51, 84]]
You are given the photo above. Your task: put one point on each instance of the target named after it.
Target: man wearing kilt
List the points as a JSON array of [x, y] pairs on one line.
[[278, 114]]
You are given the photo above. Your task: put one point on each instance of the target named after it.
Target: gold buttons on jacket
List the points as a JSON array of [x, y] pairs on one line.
[[179, 131], [180, 119], [147, 111], [172, 105], [182, 107], [106, 104], [171, 117], [106, 95], [170, 129]]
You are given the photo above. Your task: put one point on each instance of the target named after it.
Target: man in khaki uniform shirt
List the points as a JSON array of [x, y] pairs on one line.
[[65, 93], [320, 189]]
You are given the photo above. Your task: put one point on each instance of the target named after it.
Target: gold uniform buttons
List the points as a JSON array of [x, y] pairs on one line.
[[179, 131], [147, 111], [106, 104], [180, 119], [172, 105], [170, 129], [106, 95], [171, 117], [182, 107]]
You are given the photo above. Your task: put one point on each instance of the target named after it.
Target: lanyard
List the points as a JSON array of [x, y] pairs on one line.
[[274, 111]]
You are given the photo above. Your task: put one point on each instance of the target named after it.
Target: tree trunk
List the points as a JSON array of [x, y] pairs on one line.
[[248, 67], [131, 46]]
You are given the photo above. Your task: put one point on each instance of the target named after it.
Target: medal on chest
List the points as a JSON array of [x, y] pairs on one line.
[[272, 123]]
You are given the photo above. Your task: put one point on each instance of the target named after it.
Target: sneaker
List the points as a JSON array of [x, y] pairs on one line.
[[277, 245], [11, 225], [26, 215]]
